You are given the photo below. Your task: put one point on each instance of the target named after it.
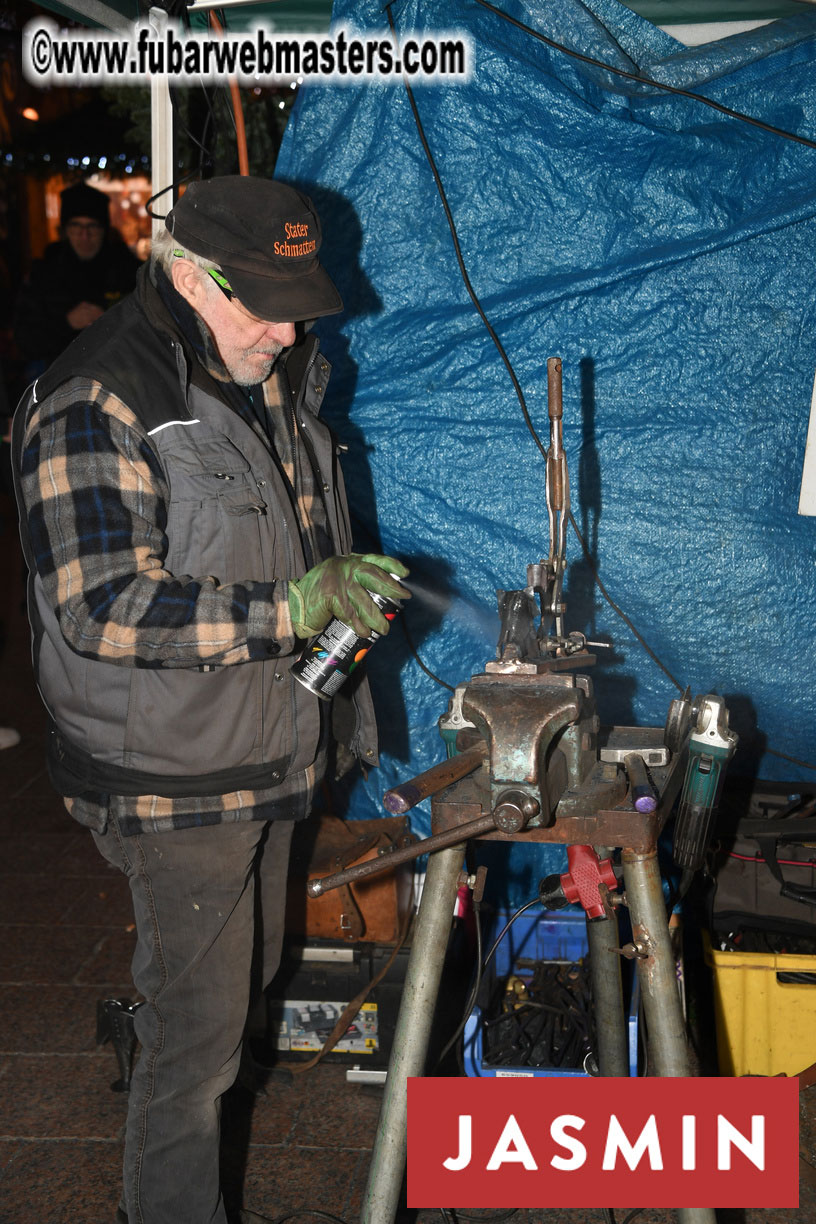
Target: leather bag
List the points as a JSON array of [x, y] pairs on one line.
[[373, 910]]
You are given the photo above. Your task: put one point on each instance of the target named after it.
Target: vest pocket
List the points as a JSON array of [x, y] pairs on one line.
[[217, 522], [189, 722], [205, 468]]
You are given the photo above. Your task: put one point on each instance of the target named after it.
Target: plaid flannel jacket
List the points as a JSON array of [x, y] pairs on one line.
[[95, 498]]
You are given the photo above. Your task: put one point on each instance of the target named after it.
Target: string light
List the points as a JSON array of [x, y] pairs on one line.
[[87, 163]]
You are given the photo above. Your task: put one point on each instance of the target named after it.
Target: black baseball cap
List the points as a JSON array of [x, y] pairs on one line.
[[264, 236]]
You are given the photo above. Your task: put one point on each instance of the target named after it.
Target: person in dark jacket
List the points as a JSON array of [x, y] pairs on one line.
[[89, 270], [185, 526]]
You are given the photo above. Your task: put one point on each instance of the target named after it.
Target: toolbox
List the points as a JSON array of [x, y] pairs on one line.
[[765, 1011], [315, 983], [541, 937]]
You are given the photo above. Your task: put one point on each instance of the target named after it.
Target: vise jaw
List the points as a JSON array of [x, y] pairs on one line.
[[541, 732]]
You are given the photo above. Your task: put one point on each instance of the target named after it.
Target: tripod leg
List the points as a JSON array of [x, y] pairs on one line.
[[607, 988], [412, 1034], [668, 1050], [607, 996]]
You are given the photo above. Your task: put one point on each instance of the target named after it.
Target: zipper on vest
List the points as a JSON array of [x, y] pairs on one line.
[[294, 408], [291, 429], [311, 362]]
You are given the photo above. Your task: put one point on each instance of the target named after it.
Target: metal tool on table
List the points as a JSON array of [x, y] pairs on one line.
[[711, 745], [524, 765]]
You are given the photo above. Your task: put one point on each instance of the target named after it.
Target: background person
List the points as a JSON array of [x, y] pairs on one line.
[[89, 270]]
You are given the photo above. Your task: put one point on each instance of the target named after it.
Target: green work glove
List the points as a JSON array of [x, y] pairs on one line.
[[339, 587]]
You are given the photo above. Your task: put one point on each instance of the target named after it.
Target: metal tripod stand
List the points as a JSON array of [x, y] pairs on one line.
[[652, 952]]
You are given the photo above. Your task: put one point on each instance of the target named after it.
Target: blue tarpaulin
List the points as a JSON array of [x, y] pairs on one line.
[[666, 252]]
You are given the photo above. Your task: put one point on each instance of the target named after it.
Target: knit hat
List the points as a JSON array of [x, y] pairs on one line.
[[264, 236], [84, 201]]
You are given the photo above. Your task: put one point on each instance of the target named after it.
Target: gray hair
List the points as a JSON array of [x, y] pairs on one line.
[[165, 249]]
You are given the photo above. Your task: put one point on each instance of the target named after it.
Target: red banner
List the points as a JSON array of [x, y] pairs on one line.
[[570, 1142]]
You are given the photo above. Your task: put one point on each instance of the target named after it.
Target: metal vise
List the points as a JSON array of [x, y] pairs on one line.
[[541, 732]]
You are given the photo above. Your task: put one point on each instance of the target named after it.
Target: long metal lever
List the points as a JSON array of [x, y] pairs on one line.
[[558, 492], [439, 841]]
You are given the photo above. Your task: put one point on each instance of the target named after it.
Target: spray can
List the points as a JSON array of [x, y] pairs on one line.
[[331, 657]]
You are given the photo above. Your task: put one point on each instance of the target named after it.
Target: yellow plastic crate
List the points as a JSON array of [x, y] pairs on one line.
[[764, 1026]]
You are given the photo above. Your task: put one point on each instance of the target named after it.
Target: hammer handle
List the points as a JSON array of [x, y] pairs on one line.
[[401, 798], [555, 409], [555, 406]]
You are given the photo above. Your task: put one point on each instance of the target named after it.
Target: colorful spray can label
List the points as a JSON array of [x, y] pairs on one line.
[[331, 657]]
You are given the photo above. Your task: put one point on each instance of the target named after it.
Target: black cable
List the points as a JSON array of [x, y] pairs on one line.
[[477, 920], [463, 270], [491, 331], [633, 1215], [597, 579], [644, 80], [205, 152], [642, 1042], [795, 760], [474, 990], [608, 1215], [223, 91], [481, 966], [506, 928], [164, 190], [179, 11], [413, 651], [677, 892]]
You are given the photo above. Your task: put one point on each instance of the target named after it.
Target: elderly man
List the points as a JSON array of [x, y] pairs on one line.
[[185, 527]]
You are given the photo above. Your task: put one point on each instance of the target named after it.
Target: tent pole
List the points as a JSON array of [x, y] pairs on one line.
[[162, 136]]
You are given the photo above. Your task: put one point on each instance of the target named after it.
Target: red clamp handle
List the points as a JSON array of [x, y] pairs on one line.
[[586, 872]]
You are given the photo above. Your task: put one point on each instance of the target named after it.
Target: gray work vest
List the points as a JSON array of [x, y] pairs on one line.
[[201, 730]]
